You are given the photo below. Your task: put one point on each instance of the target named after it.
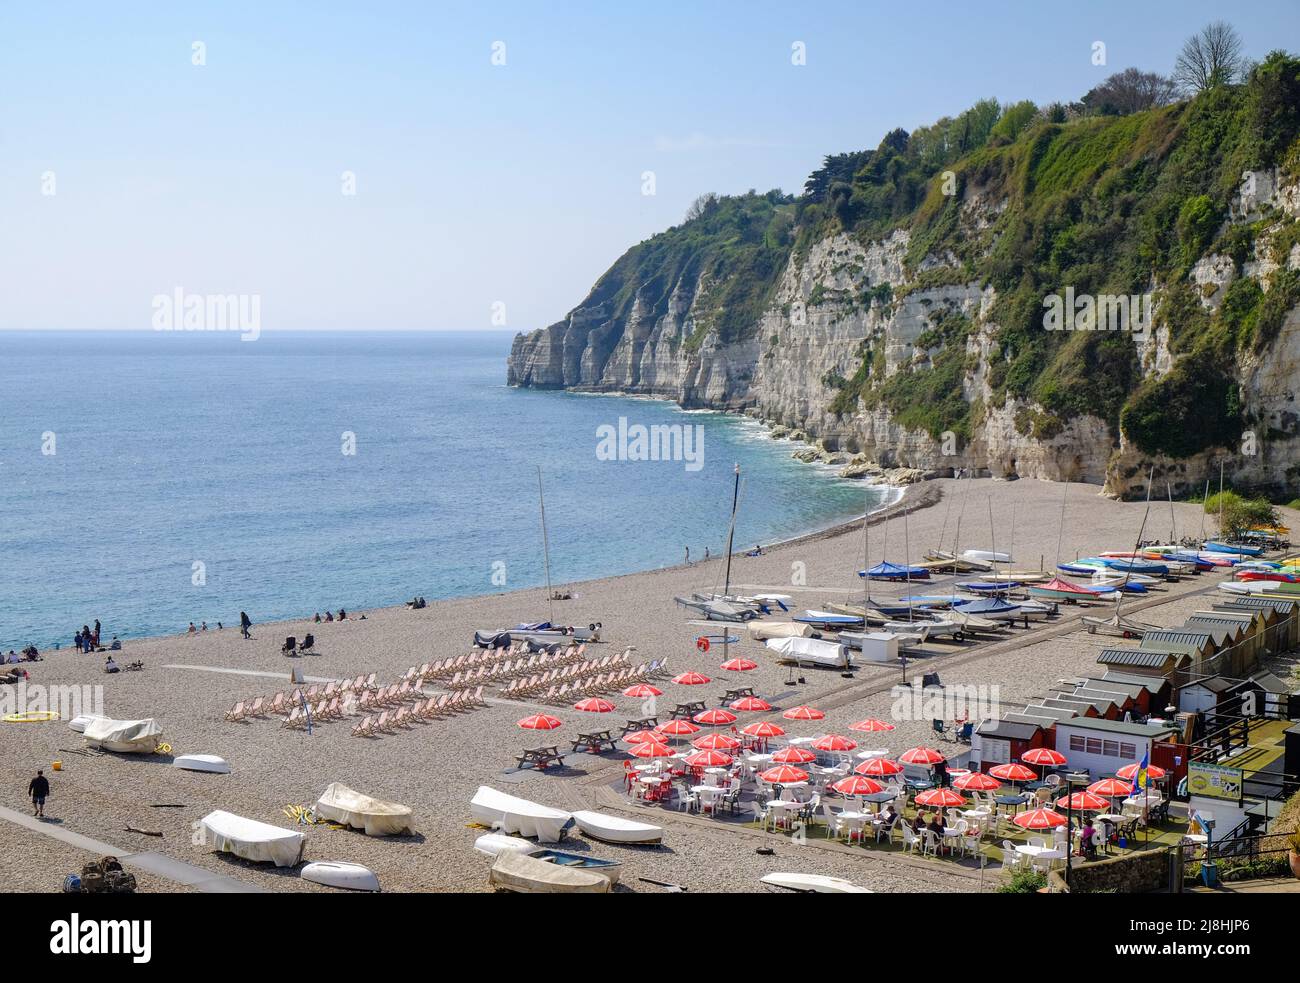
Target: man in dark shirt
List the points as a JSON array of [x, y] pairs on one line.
[[39, 789]]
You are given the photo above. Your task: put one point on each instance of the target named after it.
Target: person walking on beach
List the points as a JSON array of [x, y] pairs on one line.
[[688, 556], [39, 790], [245, 623], [96, 633], [706, 553]]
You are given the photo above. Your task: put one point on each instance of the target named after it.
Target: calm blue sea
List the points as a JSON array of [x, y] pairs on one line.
[[177, 449]]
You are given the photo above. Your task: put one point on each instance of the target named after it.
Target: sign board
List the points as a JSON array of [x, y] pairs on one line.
[[1214, 781], [995, 751]]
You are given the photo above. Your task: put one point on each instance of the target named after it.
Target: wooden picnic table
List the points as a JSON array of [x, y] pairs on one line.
[[738, 693], [540, 757], [645, 723], [595, 741], [688, 710]]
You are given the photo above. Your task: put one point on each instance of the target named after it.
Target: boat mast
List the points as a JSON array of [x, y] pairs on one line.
[[866, 553], [546, 551], [731, 531], [1128, 571], [907, 565], [1060, 526], [1173, 519], [993, 548], [1204, 499], [1222, 535]]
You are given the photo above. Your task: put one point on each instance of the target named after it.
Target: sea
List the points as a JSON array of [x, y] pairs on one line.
[[151, 479]]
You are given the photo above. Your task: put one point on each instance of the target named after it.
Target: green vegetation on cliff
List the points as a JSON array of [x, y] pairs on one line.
[[734, 247], [1120, 194]]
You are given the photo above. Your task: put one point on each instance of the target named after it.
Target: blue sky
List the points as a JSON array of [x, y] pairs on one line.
[[476, 184]]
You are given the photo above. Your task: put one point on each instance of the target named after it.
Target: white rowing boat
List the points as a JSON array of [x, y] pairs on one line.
[[123, 736], [813, 883], [985, 556], [252, 840], [377, 817], [202, 762], [336, 873], [514, 815], [615, 829], [495, 844], [811, 651], [526, 875]]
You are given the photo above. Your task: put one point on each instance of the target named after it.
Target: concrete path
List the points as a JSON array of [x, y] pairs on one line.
[[160, 864]]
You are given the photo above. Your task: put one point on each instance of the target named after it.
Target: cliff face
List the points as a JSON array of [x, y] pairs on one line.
[[899, 349]]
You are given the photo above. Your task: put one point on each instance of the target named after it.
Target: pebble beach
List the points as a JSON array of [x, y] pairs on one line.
[[190, 681]]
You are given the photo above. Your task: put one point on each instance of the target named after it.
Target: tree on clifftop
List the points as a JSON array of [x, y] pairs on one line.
[[1130, 91], [1210, 57]]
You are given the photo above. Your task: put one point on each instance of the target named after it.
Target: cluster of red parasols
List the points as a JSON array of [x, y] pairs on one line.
[[716, 750]]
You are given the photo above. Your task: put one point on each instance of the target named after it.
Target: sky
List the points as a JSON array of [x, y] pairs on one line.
[[488, 195]]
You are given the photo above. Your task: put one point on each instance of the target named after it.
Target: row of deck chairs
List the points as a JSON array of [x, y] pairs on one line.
[[565, 685], [281, 704], [387, 722], [490, 657]]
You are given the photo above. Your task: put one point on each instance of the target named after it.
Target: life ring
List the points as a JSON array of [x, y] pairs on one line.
[[702, 644], [31, 717]]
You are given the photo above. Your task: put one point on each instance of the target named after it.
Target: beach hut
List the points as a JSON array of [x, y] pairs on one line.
[[1145, 662], [1153, 692], [997, 742], [1204, 696], [1102, 746]]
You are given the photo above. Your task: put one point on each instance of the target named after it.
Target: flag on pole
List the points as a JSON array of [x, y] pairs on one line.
[[1142, 777]]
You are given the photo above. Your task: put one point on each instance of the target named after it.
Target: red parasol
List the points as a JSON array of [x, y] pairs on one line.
[[540, 721]]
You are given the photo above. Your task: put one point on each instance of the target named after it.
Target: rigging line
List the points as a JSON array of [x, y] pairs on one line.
[[546, 550], [1060, 529], [1119, 603]]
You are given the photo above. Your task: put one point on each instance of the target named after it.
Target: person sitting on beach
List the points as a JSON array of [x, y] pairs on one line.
[[317, 619], [203, 626], [192, 628], [13, 658], [343, 615], [110, 665], [329, 615], [116, 646]]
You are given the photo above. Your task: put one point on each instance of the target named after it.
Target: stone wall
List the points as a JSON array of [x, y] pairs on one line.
[[1142, 872]]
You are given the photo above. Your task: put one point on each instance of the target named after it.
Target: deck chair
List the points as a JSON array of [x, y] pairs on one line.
[[290, 646], [941, 729], [365, 728], [307, 644], [236, 712]]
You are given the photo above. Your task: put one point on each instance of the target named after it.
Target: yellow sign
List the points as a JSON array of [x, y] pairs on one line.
[[1214, 781]]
